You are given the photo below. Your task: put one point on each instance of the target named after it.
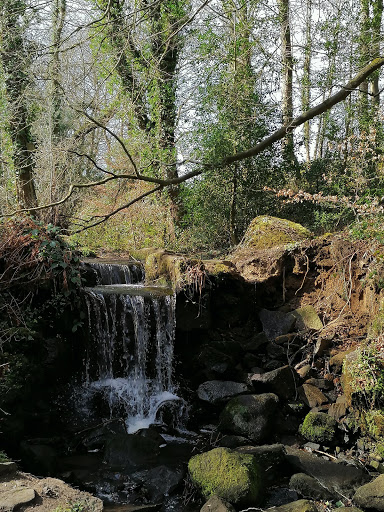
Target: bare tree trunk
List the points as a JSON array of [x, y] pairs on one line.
[[306, 85], [364, 56], [287, 78], [376, 40]]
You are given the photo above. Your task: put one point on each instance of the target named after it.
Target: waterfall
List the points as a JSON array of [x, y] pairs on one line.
[[128, 365]]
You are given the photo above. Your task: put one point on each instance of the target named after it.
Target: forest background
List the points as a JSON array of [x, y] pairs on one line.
[[132, 123]]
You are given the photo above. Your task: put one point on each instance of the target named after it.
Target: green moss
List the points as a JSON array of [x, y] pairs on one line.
[[374, 423], [266, 232], [4, 457], [318, 427], [233, 476]]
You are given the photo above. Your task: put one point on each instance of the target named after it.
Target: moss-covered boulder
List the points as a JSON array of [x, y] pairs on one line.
[[296, 506], [251, 416], [307, 318], [265, 232], [232, 476], [319, 428]]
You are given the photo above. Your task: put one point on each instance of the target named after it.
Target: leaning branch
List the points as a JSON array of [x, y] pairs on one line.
[[326, 105]]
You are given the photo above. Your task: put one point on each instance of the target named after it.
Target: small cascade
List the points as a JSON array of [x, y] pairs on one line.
[[108, 273], [128, 370]]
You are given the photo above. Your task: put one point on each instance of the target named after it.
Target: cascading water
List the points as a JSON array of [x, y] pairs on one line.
[[129, 353]]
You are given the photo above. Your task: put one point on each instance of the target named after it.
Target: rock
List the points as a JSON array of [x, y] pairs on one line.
[[255, 343], [7, 467], [214, 363], [334, 476], [16, 497], [131, 451], [305, 371], [276, 323], [336, 361], [319, 428], [233, 441], [282, 382], [322, 345], [216, 504], [296, 506], [371, 495], [232, 476], [324, 384], [311, 395], [39, 457], [339, 409], [349, 509], [307, 318], [216, 391], [311, 446], [162, 481], [250, 416], [265, 232], [271, 459], [309, 487]]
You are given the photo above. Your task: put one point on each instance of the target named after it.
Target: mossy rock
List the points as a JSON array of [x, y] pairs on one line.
[[234, 477], [319, 428], [307, 318], [266, 232]]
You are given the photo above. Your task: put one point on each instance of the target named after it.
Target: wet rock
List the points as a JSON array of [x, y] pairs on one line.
[[250, 416], [38, 457], [131, 451], [271, 459], [311, 395], [296, 506], [7, 468], [307, 318], [319, 427], [97, 437], [282, 382], [309, 487], [255, 343], [162, 481], [16, 497], [232, 476], [371, 495], [216, 504], [334, 476], [276, 323], [214, 363]]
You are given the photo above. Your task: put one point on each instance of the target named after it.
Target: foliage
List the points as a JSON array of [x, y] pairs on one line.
[[4, 457], [363, 375]]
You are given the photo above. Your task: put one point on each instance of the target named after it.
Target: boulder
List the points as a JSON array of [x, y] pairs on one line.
[[309, 487], [216, 504], [276, 323], [311, 395], [282, 382], [233, 441], [307, 319], [131, 451], [371, 495], [162, 481], [271, 459], [337, 360], [7, 467], [250, 416], [216, 391], [339, 409], [340, 479], [15, 498], [265, 232], [296, 506], [319, 427], [232, 476]]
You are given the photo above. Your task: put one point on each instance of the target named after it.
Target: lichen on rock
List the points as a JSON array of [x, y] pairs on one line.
[[234, 477]]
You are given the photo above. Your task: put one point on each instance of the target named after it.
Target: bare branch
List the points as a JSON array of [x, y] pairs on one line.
[[114, 212]]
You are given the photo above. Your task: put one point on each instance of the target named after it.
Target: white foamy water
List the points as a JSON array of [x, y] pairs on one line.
[[129, 355]]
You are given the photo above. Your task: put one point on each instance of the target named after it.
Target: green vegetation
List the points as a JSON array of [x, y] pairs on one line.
[[72, 507], [266, 232], [4, 457], [233, 476]]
